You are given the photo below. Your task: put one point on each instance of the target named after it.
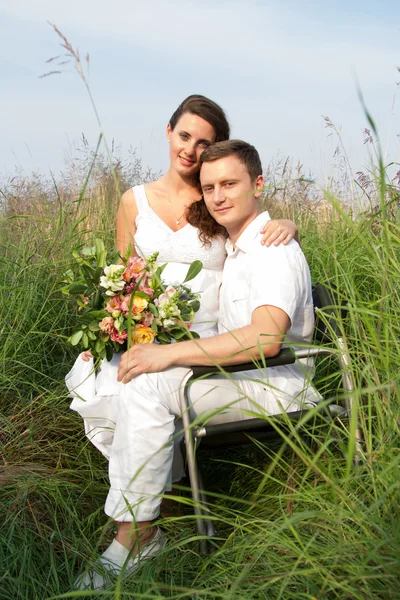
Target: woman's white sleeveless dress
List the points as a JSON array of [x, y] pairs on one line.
[[95, 396]]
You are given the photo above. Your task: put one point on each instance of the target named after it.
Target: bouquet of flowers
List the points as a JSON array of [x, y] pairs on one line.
[[120, 305]]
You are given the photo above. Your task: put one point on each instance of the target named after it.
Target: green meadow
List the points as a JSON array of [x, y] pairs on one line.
[[295, 519]]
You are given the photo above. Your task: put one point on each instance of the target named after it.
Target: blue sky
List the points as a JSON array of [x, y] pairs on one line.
[[275, 66]]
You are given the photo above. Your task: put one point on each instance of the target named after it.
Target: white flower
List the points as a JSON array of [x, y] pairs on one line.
[[170, 291], [112, 279], [169, 322], [161, 300]]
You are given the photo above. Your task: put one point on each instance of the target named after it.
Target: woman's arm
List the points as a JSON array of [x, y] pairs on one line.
[[126, 227], [279, 231]]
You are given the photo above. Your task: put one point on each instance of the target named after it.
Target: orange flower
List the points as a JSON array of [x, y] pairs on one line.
[[139, 304], [142, 335]]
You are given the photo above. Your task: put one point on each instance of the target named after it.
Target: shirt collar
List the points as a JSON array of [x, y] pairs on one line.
[[251, 232]]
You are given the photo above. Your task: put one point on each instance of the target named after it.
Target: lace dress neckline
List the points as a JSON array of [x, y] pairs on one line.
[[182, 246]]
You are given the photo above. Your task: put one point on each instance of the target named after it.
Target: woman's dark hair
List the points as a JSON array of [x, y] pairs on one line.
[[197, 213], [198, 216], [206, 109]]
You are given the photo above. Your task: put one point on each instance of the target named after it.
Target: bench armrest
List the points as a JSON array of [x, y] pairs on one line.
[[285, 357]]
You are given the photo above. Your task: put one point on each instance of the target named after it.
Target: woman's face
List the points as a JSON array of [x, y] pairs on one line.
[[191, 136]]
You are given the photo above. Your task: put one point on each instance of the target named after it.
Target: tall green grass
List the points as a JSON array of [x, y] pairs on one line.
[[293, 520]]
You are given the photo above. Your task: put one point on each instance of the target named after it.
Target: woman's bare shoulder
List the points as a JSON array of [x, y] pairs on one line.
[[128, 197], [156, 188], [128, 202]]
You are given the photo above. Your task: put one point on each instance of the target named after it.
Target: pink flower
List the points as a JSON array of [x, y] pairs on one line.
[[134, 268], [147, 290], [119, 337], [147, 318], [107, 325], [125, 303], [113, 304]]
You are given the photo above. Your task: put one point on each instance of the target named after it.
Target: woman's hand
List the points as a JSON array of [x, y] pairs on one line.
[[86, 356], [279, 231]]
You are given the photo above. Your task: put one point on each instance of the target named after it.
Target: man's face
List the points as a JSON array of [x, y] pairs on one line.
[[229, 194]]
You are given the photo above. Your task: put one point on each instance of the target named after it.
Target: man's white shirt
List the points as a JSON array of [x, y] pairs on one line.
[[256, 275]]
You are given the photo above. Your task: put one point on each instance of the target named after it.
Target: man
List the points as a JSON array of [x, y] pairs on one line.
[[265, 300]]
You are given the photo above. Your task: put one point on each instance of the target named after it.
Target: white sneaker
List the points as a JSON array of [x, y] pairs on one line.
[[112, 561]]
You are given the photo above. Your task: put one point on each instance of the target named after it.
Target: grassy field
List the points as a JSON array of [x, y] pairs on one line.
[[295, 520]]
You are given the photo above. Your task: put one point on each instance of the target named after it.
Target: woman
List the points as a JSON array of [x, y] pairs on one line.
[[163, 216]]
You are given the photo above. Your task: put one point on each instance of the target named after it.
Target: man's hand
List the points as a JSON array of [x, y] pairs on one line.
[[144, 358]]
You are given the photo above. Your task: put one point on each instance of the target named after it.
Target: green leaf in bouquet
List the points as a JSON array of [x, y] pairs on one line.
[[127, 254], [163, 338], [85, 340], [89, 290], [94, 326], [97, 298], [178, 334], [187, 319], [185, 313], [102, 259], [85, 318], [154, 326], [76, 338], [195, 305], [153, 309], [91, 336], [99, 314], [194, 270], [193, 335], [88, 251], [87, 272], [118, 322], [109, 352], [77, 288], [141, 295], [156, 279], [98, 272], [99, 346]]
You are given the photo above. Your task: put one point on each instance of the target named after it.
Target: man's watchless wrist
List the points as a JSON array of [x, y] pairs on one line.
[[176, 353]]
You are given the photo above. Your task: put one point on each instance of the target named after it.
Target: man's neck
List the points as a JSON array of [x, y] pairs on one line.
[[236, 231]]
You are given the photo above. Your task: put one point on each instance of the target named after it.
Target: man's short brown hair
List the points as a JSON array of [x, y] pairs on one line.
[[244, 152]]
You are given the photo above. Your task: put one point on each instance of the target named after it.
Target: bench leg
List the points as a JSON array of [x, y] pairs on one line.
[[194, 474]]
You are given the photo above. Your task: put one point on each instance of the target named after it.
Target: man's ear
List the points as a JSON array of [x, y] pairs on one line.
[[169, 131], [259, 186]]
